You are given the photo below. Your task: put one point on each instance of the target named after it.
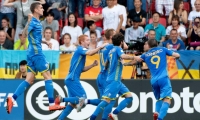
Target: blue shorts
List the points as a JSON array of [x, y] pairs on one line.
[[75, 89], [114, 88], [37, 63], [162, 89], [101, 82]]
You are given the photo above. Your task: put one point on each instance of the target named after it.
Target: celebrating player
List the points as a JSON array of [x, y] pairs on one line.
[[114, 84], [76, 93], [156, 60], [36, 60]]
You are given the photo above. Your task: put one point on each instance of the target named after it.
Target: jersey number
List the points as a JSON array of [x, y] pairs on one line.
[[157, 62], [102, 59]]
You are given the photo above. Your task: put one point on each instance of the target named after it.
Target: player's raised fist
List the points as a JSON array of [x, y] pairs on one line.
[[95, 63]]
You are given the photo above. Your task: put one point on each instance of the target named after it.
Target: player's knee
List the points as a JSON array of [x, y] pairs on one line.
[[107, 100], [128, 95], [168, 100], [129, 99]]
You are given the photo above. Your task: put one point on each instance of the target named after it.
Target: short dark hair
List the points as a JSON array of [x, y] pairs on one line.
[[156, 13], [23, 62], [176, 17], [34, 6], [48, 28], [151, 30], [117, 39], [173, 30], [93, 32], [50, 13], [152, 43], [75, 22], [90, 23], [67, 34]]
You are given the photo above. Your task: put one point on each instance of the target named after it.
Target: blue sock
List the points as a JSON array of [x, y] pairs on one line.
[[93, 117], [21, 88], [49, 90], [158, 105], [65, 112], [123, 104], [108, 109], [163, 110], [160, 119], [73, 100], [94, 101], [103, 119], [99, 108]]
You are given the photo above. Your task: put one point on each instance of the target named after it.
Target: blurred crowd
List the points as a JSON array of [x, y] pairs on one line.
[[175, 24]]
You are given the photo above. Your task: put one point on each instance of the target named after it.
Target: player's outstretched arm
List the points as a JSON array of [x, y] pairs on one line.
[[128, 57], [130, 63], [176, 55], [86, 68], [94, 51]]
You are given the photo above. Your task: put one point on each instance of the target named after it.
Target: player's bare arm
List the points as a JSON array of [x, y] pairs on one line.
[[94, 51], [176, 55], [86, 68]]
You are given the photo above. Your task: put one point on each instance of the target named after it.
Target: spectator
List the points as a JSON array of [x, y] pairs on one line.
[[67, 46], [195, 44], [180, 28], [92, 27], [130, 4], [22, 70], [195, 13], [179, 11], [111, 15], [137, 12], [168, 4], [160, 29], [5, 44], [134, 32], [8, 12], [194, 34], [102, 3], [73, 29], [57, 7], [151, 34], [93, 40], [80, 7], [10, 32], [123, 11], [50, 22], [122, 2], [192, 4], [48, 37], [22, 43], [25, 4], [94, 13], [103, 39], [174, 43]]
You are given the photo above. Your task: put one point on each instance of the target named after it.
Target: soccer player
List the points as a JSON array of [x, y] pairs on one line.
[[36, 60], [76, 93], [160, 81], [114, 84]]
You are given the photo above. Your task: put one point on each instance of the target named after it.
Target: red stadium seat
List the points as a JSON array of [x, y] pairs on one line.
[[80, 22], [162, 21], [153, 6], [187, 6]]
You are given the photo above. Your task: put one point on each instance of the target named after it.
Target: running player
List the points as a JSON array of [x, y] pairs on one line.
[[160, 81], [114, 85], [103, 55], [76, 93], [36, 60]]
